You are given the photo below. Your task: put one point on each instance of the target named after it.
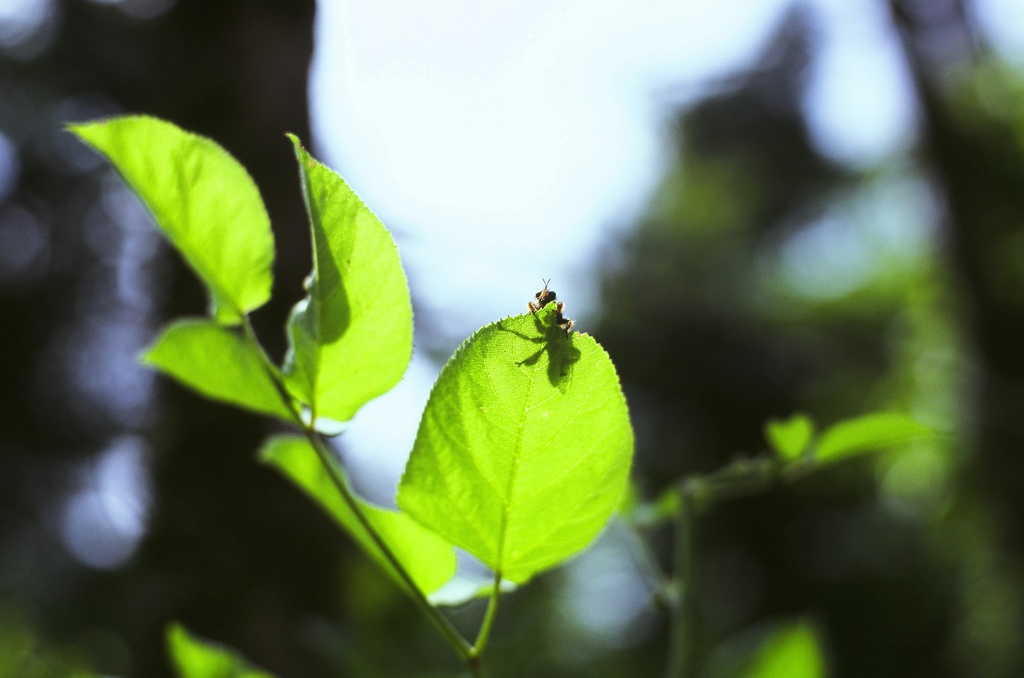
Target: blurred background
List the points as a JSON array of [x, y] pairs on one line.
[[763, 207]]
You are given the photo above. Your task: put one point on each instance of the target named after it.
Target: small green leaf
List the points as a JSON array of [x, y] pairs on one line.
[[428, 558], [204, 202], [792, 651], [351, 338], [524, 448], [196, 658], [218, 362], [630, 500], [648, 514], [868, 433], [666, 505], [790, 437]]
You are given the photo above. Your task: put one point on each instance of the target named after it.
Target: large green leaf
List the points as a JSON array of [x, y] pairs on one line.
[[868, 433], [524, 448], [204, 202], [197, 658], [429, 559], [220, 363], [351, 338]]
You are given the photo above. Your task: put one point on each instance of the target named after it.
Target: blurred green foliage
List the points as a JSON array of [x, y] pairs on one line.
[[23, 655], [782, 281], [765, 278], [195, 658]]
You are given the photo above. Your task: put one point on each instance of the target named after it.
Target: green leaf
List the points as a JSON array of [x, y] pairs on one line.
[[868, 433], [524, 448], [219, 362], [204, 202], [428, 558], [792, 651], [648, 514], [790, 437], [196, 658], [351, 338]]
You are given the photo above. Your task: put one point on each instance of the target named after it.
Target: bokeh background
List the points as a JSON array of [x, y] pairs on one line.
[[759, 208]]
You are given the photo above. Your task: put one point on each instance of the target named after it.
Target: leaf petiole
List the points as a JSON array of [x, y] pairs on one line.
[[485, 627]]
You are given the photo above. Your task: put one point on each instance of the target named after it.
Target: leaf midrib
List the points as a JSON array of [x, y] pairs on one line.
[[516, 459]]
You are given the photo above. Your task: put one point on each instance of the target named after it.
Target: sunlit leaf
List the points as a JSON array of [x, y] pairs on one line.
[[790, 437], [204, 202], [197, 658], [351, 338], [524, 449], [428, 558], [218, 362], [868, 433]]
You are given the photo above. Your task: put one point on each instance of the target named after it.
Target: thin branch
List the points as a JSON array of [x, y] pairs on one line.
[[454, 638], [680, 662], [660, 584]]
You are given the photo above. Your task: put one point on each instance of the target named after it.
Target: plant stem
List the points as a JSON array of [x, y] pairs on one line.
[[680, 663], [661, 584], [459, 644], [453, 637], [485, 626], [743, 478]]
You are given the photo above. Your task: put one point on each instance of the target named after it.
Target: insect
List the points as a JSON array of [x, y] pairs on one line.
[[545, 297]]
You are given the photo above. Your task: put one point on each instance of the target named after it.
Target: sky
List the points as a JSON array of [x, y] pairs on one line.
[[502, 140]]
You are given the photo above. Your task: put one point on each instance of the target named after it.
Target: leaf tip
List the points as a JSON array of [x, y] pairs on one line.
[[82, 129], [148, 355]]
